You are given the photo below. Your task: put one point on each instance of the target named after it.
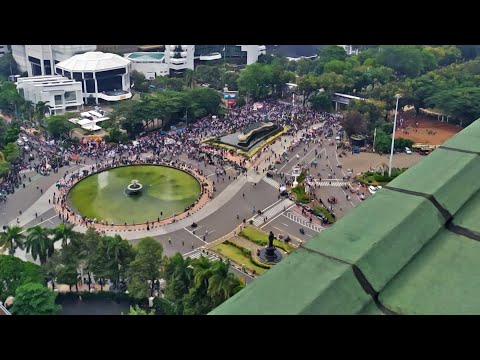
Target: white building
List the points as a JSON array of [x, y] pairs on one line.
[[103, 76], [246, 54], [150, 64], [60, 93], [3, 50], [41, 59], [179, 57]]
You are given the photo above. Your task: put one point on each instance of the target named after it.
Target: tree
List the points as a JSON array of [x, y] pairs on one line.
[[382, 142], [146, 266], [179, 277], [354, 123], [197, 301], [35, 299], [11, 152], [14, 272], [68, 275], [223, 284], [116, 136], [51, 267], [12, 238], [137, 310], [255, 81], [4, 168], [58, 126], [119, 254], [39, 244], [328, 54], [332, 82], [10, 99], [321, 102], [336, 66], [41, 108], [407, 60], [63, 232], [461, 102], [307, 85], [29, 109], [13, 130]]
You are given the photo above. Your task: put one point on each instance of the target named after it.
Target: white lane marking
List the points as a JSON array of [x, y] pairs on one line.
[[268, 222]]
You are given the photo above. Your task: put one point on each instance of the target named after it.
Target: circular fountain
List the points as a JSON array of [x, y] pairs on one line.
[[134, 188]]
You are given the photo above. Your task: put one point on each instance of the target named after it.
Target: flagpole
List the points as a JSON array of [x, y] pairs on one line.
[[374, 136]]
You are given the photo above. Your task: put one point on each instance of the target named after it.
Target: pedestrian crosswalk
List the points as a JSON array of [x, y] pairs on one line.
[[272, 182], [303, 221], [24, 171], [274, 210], [196, 254], [331, 183]]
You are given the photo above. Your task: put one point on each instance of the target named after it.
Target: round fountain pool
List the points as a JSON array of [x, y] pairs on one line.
[[160, 192]]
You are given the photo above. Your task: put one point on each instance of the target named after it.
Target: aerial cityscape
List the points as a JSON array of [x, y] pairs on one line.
[[239, 179]]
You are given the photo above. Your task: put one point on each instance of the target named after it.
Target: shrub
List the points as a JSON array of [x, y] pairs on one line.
[[259, 264]]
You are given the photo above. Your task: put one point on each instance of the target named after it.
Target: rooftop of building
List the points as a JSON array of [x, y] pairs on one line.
[[93, 61], [412, 248], [146, 56]]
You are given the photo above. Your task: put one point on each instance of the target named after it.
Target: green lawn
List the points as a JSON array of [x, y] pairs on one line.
[[261, 238], [322, 210], [300, 194], [236, 255]]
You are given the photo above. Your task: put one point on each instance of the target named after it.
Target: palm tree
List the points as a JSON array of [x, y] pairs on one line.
[[29, 109], [12, 238], [222, 283], [202, 270], [63, 232], [39, 244], [40, 109], [189, 76]]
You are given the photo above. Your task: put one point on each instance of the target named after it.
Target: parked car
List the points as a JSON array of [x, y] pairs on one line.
[[408, 151], [372, 189]]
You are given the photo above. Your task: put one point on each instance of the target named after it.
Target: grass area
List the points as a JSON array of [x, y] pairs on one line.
[[375, 179], [237, 255], [166, 191], [261, 238], [322, 210], [300, 194]]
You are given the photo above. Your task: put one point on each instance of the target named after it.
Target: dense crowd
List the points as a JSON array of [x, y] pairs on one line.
[[163, 146]]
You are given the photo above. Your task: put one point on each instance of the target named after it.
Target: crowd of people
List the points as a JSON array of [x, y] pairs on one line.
[[160, 147]]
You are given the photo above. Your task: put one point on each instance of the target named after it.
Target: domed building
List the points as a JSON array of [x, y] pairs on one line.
[[104, 76]]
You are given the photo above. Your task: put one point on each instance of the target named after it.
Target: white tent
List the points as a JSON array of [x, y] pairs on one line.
[[84, 122], [91, 127]]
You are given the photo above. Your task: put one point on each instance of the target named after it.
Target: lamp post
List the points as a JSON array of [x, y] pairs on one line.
[[393, 136]]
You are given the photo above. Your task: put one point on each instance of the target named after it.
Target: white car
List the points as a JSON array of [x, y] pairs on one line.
[[408, 151], [337, 138], [372, 189]]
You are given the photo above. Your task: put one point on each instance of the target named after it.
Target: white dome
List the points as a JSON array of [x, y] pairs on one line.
[[93, 61]]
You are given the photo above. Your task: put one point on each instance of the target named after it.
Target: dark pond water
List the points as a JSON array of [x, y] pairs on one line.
[[94, 307]]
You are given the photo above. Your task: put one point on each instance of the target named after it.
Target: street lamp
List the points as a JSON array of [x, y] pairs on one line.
[[393, 136]]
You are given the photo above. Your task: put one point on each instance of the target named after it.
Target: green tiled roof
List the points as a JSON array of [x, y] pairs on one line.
[[412, 248]]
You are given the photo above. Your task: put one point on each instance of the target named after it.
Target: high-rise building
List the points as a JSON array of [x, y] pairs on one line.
[[39, 60], [179, 58]]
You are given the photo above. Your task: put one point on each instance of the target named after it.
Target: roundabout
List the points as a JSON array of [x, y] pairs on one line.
[[134, 195]]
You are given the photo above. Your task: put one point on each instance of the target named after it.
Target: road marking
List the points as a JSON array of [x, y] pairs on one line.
[[198, 237], [259, 219], [268, 222], [284, 224], [303, 221], [197, 253], [49, 219], [272, 182]]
